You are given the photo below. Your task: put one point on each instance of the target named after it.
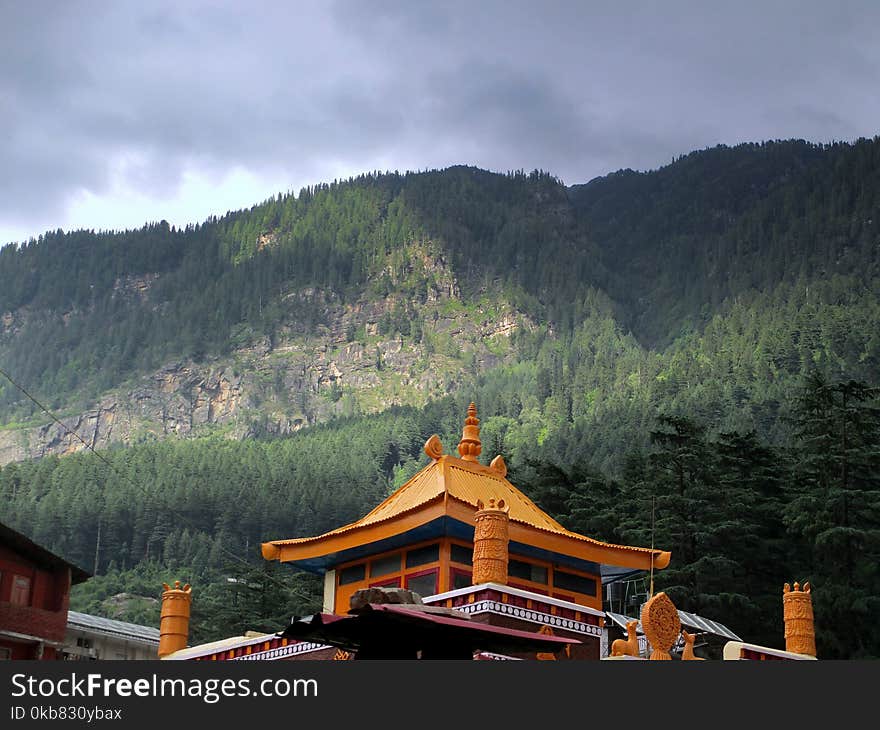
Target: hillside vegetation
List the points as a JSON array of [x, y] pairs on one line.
[[700, 340]]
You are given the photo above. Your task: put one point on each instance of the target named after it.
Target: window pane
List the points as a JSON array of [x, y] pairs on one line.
[[460, 579], [387, 583], [386, 565], [352, 574], [422, 555], [576, 583], [21, 591], [424, 585], [463, 555], [527, 571]]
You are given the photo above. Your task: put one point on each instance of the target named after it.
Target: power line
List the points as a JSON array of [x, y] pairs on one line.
[[55, 418], [135, 484]]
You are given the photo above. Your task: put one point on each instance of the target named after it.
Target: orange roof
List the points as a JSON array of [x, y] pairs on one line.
[[465, 482]]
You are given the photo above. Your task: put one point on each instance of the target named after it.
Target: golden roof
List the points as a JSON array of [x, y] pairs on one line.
[[449, 481]]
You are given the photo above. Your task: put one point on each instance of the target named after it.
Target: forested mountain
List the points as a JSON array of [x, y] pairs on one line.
[[702, 337]]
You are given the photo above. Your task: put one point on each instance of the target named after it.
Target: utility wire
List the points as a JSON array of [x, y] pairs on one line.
[[140, 487], [55, 418]]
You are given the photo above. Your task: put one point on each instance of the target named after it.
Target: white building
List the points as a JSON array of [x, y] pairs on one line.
[[95, 637]]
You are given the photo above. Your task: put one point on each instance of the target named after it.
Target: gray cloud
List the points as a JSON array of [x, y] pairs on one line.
[[94, 95]]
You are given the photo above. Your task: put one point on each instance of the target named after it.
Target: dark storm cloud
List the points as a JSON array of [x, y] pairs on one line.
[[101, 96]]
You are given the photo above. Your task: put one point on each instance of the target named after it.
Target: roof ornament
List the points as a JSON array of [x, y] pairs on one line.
[[499, 466], [661, 624], [470, 446], [433, 447]]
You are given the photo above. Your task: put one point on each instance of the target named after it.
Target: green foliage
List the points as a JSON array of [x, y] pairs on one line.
[[698, 350]]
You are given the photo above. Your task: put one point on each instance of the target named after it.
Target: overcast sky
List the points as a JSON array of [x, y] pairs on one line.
[[113, 114]]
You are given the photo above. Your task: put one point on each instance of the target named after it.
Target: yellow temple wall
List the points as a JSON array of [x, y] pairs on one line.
[[452, 568]]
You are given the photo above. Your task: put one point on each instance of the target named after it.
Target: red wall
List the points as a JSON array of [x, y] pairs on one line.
[[45, 617]]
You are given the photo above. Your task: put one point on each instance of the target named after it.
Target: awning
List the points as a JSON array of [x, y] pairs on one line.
[[691, 620], [394, 631]]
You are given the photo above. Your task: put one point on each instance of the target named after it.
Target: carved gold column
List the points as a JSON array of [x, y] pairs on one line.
[[174, 621], [490, 543], [797, 611]]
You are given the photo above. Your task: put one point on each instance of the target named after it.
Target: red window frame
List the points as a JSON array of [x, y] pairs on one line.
[[420, 573], [453, 572], [20, 591], [392, 582]]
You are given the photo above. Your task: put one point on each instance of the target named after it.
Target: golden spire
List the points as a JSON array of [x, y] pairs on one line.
[[797, 609], [470, 446], [174, 621]]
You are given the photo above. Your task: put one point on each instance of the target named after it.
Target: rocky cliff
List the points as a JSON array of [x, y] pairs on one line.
[[356, 359]]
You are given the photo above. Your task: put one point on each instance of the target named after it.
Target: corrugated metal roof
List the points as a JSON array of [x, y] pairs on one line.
[[113, 627], [691, 620], [703, 624], [213, 647], [622, 620]]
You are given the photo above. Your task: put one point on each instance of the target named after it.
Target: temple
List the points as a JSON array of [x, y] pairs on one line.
[[464, 539], [458, 563], [422, 538]]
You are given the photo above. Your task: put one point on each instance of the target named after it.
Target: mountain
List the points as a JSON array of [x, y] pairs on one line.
[[706, 333]]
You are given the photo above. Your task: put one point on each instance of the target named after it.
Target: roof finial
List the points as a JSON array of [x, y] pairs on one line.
[[470, 446]]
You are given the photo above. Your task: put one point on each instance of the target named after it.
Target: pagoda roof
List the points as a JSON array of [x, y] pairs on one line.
[[441, 500]]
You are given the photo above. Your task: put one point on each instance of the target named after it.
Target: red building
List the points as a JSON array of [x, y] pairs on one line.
[[34, 596]]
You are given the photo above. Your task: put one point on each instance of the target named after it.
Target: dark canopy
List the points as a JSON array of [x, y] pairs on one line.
[[395, 631]]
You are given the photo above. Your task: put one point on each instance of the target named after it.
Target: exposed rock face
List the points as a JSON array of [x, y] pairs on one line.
[[175, 401], [354, 359]]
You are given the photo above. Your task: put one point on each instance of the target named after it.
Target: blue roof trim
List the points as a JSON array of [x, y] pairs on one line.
[[548, 556], [444, 526]]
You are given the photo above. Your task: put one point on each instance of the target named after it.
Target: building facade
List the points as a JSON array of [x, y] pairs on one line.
[[34, 597], [95, 637]]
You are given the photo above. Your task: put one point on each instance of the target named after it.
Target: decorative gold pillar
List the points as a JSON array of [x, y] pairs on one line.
[[797, 611], [490, 543], [174, 621]]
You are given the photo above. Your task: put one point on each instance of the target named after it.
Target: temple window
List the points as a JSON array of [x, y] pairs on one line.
[[424, 583], [461, 554], [527, 571], [459, 578], [423, 555], [352, 574], [572, 582], [385, 565]]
